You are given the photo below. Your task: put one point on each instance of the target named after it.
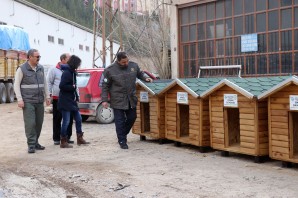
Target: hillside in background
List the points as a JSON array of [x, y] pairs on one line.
[[74, 10]]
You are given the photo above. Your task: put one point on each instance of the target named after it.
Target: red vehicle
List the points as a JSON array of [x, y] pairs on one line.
[[89, 83]]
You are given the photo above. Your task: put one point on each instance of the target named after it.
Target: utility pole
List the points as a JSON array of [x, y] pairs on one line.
[[107, 25]]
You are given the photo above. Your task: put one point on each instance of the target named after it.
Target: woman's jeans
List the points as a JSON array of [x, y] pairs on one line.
[[66, 119]]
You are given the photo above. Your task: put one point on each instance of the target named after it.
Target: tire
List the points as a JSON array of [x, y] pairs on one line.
[[2, 93], [103, 115], [84, 118], [9, 93]]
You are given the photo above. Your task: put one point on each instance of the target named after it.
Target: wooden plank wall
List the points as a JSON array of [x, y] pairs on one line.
[[171, 112], [157, 106], [195, 111], [161, 118], [279, 147], [205, 123], [137, 127], [154, 116], [263, 127], [248, 122]]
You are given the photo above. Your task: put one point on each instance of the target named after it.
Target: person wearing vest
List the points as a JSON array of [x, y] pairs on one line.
[[53, 79], [68, 101], [120, 82], [31, 91]]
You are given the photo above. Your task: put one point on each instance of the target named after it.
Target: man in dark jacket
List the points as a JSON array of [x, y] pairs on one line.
[[119, 81]]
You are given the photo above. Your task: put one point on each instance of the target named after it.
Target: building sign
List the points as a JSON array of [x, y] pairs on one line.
[[249, 43], [293, 102], [230, 100], [182, 97], [144, 96]]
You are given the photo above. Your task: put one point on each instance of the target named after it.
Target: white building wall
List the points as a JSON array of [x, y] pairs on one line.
[[40, 25]]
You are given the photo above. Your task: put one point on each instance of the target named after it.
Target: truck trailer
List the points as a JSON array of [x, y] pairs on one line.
[[14, 44]]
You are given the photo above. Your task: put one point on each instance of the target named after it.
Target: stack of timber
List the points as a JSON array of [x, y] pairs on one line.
[[187, 114], [238, 120], [283, 120], [150, 120]]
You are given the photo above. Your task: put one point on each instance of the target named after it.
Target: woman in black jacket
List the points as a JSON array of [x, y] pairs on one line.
[[68, 101]]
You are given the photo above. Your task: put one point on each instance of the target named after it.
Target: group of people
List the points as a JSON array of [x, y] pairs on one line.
[[59, 87]]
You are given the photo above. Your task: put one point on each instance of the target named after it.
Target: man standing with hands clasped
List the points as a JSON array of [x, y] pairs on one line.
[[120, 82], [31, 91]]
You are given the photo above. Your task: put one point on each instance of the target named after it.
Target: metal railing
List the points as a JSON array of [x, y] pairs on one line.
[[221, 70]]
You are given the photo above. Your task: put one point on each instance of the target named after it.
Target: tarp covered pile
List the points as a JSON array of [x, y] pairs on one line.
[[13, 38]]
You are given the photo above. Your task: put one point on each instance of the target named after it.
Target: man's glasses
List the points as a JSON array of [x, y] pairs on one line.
[[37, 57]]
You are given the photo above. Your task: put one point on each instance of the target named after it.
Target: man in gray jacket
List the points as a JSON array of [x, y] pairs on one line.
[[31, 91], [120, 82], [53, 79]]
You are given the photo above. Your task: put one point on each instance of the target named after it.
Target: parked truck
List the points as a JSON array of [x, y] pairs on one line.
[[14, 43]]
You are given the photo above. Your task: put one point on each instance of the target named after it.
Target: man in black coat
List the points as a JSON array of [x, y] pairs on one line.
[[120, 82]]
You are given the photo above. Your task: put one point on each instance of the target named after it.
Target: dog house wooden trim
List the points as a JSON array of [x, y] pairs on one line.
[[188, 122], [283, 120], [150, 120], [250, 116]]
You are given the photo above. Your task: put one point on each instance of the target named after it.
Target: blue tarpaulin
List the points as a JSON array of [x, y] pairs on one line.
[[13, 38]]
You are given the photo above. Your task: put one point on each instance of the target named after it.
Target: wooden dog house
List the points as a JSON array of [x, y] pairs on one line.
[[187, 115], [238, 120], [150, 120], [283, 120]]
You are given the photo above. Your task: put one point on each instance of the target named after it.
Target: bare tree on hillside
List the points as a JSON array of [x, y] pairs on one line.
[[147, 38]]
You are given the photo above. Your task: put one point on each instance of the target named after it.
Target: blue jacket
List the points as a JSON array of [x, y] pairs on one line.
[[68, 96]]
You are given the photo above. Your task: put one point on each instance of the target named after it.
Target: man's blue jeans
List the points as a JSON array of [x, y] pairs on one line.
[[124, 120], [66, 119]]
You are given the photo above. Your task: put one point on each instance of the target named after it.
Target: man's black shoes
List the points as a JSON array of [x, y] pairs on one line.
[[31, 149], [39, 147], [123, 145]]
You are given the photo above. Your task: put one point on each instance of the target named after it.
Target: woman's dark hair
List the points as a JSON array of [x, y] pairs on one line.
[[121, 55], [74, 62]]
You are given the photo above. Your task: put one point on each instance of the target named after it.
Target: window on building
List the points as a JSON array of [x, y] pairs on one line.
[[261, 22], [60, 41], [210, 34], [285, 2], [238, 7], [87, 48], [81, 47], [51, 39], [261, 5]]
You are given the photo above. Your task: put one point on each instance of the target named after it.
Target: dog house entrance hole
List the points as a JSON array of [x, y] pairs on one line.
[[145, 117], [183, 114], [232, 127]]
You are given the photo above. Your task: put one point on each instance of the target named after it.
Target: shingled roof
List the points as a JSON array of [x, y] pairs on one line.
[[196, 86], [258, 87], [250, 87], [277, 87], [156, 86]]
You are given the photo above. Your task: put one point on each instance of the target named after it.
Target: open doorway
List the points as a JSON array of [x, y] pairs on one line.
[[145, 117], [183, 117], [293, 126], [232, 127]]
